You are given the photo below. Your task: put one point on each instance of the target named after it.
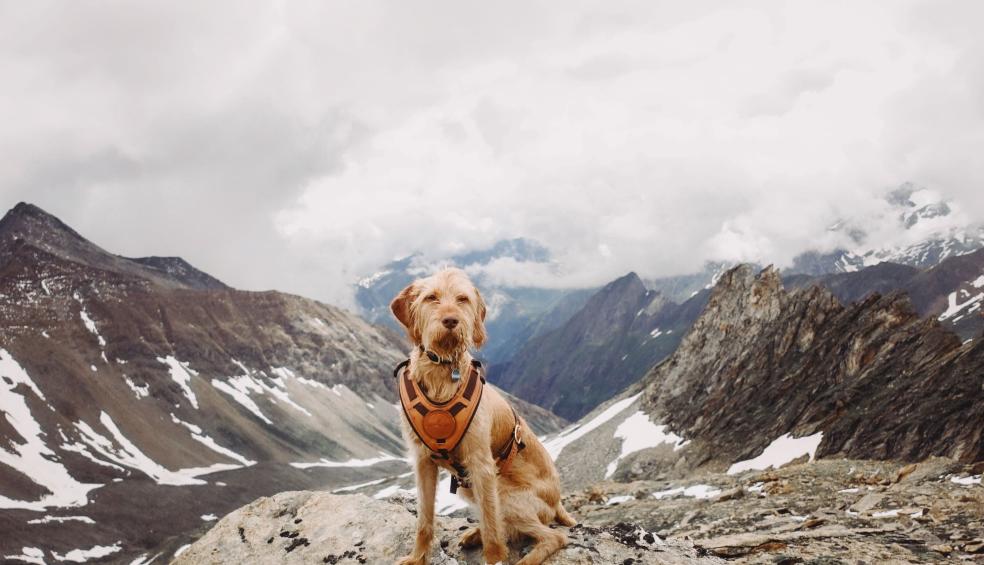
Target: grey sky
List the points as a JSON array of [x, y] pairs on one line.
[[299, 145]]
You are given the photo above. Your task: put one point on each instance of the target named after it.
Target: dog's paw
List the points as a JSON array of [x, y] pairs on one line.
[[471, 538], [411, 560], [495, 553]]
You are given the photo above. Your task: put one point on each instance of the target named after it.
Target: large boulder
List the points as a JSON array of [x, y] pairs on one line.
[[318, 527]]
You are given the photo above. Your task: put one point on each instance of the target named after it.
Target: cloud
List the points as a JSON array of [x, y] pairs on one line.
[[299, 145]]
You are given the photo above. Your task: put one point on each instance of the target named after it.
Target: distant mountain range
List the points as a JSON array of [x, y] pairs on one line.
[[515, 313], [917, 228], [568, 350]]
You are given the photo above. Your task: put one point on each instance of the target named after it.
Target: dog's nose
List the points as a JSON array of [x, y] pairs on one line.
[[450, 322]]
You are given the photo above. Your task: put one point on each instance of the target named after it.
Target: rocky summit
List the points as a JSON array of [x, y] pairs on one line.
[[873, 379], [308, 527]]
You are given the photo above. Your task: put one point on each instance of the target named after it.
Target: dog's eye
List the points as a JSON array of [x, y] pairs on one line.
[[431, 298], [462, 299]]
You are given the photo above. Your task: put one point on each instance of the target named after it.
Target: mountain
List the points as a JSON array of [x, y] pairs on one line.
[[515, 313], [148, 380], [32, 225], [622, 330], [951, 291], [916, 227], [765, 372]]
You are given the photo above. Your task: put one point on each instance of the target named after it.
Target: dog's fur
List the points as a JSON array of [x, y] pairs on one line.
[[525, 499]]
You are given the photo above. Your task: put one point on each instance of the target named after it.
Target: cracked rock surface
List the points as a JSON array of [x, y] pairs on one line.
[[317, 527]]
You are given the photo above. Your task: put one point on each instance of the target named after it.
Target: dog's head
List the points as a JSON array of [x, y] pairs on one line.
[[443, 312]]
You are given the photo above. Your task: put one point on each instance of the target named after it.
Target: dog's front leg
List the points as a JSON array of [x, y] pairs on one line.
[[426, 490], [485, 489]]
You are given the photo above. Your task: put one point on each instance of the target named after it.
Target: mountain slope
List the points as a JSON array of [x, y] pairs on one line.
[[762, 366], [951, 291], [122, 382], [622, 330]]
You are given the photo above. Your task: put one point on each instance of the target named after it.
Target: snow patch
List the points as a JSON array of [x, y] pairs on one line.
[[239, 392], [140, 391], [967, 481], [90, 325], [181, 374], [350, 463], [128, 455], [29, 555], [637, 432], [696, 491], [61, 519], [367, 282], [182, 549], [557, 444], [83, 555], [209, 517], [199, 436], [619, 499], [781, 451], [33, 458], [357, 486]]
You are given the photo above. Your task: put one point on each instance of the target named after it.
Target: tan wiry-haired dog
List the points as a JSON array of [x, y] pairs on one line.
[[520, 496]]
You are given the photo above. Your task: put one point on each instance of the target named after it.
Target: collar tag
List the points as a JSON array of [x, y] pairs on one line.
[[455, 375]]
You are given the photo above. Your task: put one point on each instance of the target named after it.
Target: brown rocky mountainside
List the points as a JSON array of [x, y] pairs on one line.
[[952, 290], [143, 397], [877, 380], [763, 366]]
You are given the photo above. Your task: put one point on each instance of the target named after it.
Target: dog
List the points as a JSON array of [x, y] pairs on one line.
[[516, 496]]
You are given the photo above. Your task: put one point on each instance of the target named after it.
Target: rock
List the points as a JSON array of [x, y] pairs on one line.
[[867, 502], [358, 529], [731, 494], [778, 487], [905, 472], [975, 547], [798, 461]]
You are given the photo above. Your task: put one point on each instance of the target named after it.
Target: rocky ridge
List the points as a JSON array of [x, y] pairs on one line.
[[764, 370], [306, 527]]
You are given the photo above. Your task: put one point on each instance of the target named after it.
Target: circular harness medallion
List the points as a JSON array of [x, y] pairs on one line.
[[439, 424]]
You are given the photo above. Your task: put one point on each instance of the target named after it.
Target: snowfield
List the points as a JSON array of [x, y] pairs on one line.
[[557, 444], [637, 432], [784, 449]]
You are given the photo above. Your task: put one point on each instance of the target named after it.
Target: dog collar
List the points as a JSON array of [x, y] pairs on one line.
[[435, 358]]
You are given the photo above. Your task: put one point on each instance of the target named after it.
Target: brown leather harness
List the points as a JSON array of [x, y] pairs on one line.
[[441, 425]]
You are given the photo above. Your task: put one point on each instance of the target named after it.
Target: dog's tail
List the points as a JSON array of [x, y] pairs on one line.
[[563, 517]]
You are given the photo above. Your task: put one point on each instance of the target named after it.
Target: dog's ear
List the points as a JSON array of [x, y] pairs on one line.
[[478, 333], [402, 308]]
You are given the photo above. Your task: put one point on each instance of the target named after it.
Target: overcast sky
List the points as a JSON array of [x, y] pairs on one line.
[[300, 145]]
